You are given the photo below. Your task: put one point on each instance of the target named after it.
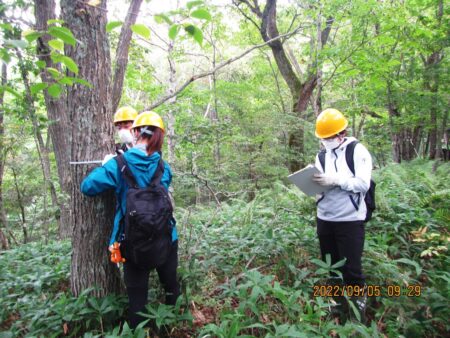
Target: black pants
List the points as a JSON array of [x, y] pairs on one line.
[[136, 281], [343, 240]]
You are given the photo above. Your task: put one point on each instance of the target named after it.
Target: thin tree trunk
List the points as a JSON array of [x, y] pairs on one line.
[[172, 102], [395, 134], [4, 245], [121, 62], [21, 206], [40, 145], [56, 109], [301, 92]]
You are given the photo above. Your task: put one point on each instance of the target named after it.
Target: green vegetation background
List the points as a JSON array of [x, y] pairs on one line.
[[248, 269]]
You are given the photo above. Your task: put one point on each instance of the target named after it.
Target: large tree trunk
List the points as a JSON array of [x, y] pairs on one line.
[[84, 131], [90, 110]]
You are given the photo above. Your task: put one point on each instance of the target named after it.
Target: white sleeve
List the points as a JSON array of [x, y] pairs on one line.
[[363, 171]]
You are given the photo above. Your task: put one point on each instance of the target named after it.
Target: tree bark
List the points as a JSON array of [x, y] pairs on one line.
[[121, 60], [431, 84], [89, 110], [395, 134], [58, 129], [172, 101]]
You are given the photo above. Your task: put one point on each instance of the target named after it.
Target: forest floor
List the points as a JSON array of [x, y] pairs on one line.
[[248, 269]]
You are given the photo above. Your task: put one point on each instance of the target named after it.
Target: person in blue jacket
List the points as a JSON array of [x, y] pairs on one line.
[[142, 159]]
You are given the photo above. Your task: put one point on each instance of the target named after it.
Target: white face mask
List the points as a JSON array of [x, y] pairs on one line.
[[125, 136], [332, 143]]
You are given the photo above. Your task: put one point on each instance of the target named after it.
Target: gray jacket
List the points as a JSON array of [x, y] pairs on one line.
[[345, 202]]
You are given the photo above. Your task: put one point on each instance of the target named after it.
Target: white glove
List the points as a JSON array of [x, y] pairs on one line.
[[107, 158], [326, 180]]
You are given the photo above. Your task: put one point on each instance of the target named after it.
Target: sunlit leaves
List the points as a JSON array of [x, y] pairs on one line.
[[141, 30], [31, 35], [54, 90], [201, 13], [173, 31], [161, 18], [57, 44], [195, 32], [37, 87], [62, 33], [110, 26]]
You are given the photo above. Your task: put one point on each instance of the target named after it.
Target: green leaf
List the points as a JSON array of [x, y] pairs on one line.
[[53, 21], [4, 55], [192, 4], [195, 32], [41, 64], [410, 262], [10, 90], [38, 87], [16, 43], [112, 25], [70, 64], [57, 44], [6, 26], [67, 80], [54, 72], [160, 18], [54, 90], [82, 81], [31, 35], [141, 30], [173, 31], [63, 33], [201, 13]]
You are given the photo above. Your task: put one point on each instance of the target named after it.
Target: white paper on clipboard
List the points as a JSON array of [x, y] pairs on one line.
[[303, 180]]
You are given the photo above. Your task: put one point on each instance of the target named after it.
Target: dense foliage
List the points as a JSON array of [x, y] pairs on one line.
[[248, 269]]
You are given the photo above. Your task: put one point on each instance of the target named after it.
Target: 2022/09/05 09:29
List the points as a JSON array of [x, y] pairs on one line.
[[388, 290]]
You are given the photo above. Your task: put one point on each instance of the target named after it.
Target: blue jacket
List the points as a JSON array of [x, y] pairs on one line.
[[108, 177]]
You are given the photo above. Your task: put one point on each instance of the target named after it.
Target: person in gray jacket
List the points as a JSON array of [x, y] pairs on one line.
[[341, 210]]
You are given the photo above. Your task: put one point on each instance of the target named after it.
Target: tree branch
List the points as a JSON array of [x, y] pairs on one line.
[[122, 52], [215, 69]]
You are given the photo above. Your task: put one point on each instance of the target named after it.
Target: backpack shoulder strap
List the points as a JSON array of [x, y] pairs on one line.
[[125, 171], [156, 180], [349, 153], [321, 156]]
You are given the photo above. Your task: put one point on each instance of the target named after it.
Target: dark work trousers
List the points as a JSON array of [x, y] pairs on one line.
[[343, 240], [136, 281]]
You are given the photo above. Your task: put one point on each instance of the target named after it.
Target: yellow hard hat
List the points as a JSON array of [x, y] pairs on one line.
[[330, 122], [148, 118], [125, 114]]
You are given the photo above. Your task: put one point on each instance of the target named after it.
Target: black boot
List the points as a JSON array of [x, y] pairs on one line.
[[360, 303], [339, 303]]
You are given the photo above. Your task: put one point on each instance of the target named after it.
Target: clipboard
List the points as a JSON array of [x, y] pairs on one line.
[[303, 180]]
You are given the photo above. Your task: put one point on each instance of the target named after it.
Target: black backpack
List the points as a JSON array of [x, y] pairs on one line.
[[147, 223], [370, 194]]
